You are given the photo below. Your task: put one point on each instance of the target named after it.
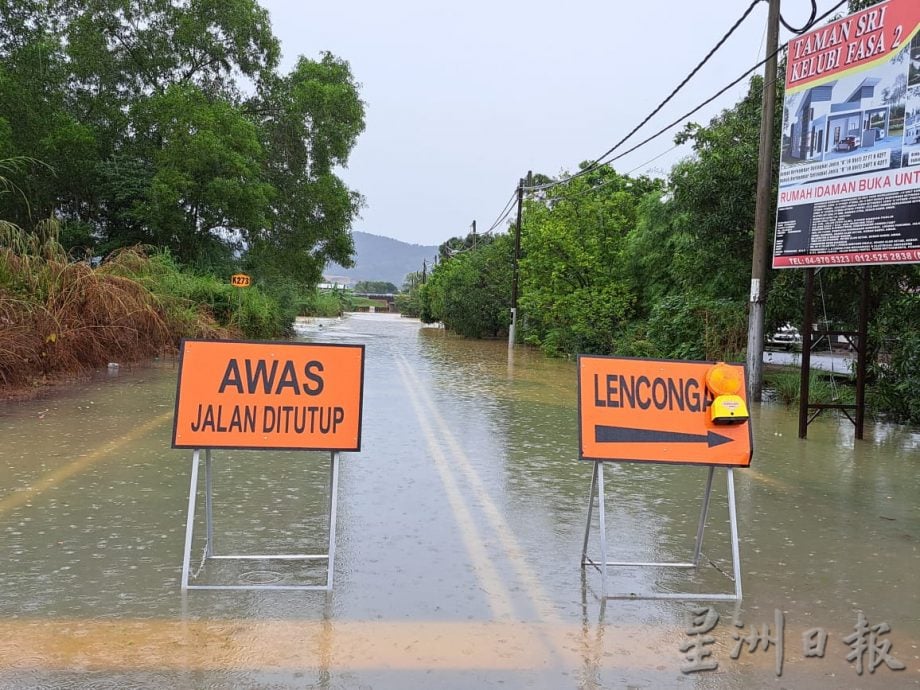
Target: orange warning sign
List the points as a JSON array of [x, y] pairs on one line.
[[655, 411], [269, 395], [240, 280]]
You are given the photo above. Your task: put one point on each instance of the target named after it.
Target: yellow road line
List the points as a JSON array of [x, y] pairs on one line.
[[498, 598], [26, 494], [139, 644], [499, 524], [244, 644], [764, 479]]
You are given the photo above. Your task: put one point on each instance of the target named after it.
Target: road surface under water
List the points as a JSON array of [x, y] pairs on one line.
[[459, 540]]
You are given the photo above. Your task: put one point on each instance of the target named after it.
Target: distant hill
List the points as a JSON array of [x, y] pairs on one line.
[[381, 258]]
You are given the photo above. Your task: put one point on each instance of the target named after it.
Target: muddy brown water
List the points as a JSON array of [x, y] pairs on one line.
[[460, 529]]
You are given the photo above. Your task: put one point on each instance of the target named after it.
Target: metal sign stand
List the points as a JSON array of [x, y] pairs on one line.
[[209, 553], [597, 484]]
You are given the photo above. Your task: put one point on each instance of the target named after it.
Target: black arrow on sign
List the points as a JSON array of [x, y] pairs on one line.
[[622, 434]]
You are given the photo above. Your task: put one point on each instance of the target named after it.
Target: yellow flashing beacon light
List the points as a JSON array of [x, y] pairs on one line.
[[728, 407]]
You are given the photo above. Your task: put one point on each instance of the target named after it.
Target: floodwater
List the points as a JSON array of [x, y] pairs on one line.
[[458, 544]]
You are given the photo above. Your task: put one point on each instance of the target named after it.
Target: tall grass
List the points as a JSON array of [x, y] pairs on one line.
[[201, 305], [60, 317]]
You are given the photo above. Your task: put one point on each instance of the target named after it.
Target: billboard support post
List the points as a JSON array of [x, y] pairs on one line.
[[597, 485], [210, 554], [862, 353], [857, 340]]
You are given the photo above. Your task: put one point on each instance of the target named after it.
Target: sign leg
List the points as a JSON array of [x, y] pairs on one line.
[[208, 505], [584, 550], [704, 512], [190, 519], [603, 525], [733, 524], [333, 504]]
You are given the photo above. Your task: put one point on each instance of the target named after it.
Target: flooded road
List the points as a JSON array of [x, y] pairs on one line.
[[460, 529]]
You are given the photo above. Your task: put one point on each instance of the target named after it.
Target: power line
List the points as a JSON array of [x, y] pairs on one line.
[[721, 91], [808, 24], [600, 160], [505, 212], [597, 161], [610, 181]]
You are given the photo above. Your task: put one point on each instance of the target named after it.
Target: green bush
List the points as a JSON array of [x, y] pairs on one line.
[[184, 296], [318, 303], [896, 369], [689, 327]]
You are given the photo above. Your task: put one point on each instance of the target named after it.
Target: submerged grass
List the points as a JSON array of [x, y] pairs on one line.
[[821, 388]]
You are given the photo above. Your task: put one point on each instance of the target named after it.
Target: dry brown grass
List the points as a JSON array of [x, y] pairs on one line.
[[59, 319]]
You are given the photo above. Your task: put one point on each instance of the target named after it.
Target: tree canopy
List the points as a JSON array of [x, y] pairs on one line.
[[167, 122]]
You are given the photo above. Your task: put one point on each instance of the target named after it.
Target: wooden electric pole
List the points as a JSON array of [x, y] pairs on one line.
[[517, 257], [762, 218], [514, 266]]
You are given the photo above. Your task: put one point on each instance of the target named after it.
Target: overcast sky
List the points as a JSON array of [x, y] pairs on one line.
[[463, 98]]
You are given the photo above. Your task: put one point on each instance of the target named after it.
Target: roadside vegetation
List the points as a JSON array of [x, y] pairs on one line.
[[61, 318], [148, 151]]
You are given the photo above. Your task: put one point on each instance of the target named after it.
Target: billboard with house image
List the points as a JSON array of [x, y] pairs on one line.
[[849, 179]]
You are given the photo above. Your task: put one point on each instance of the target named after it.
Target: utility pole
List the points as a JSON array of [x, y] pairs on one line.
[[762, 220], [424, 271], [517, 258], [474, 234]]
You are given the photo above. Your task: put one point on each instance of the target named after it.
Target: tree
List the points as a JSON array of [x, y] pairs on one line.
[[204, 184], [310, 122], [471, 293], [575, 296], [376, 287], [138, 110], [856, 5]]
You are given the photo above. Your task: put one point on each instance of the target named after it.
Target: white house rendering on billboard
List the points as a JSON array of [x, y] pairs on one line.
[[823, 126]]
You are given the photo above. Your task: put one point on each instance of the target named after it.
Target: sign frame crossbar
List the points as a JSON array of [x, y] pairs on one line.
[[209, 554], [597, 489]]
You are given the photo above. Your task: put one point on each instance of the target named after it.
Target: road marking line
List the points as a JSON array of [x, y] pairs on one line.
[[246, 645], [765, 479], [26, 494], [136, 644], [497, 521], [499, 600]]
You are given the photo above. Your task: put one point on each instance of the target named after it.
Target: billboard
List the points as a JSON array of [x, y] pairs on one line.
[[849, 174], [269, 395]]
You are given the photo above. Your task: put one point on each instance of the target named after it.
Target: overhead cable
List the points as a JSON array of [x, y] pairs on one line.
[[601, 159], [717, 94], [611, 180], [596, 163], [505, 212], [808, 24]]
